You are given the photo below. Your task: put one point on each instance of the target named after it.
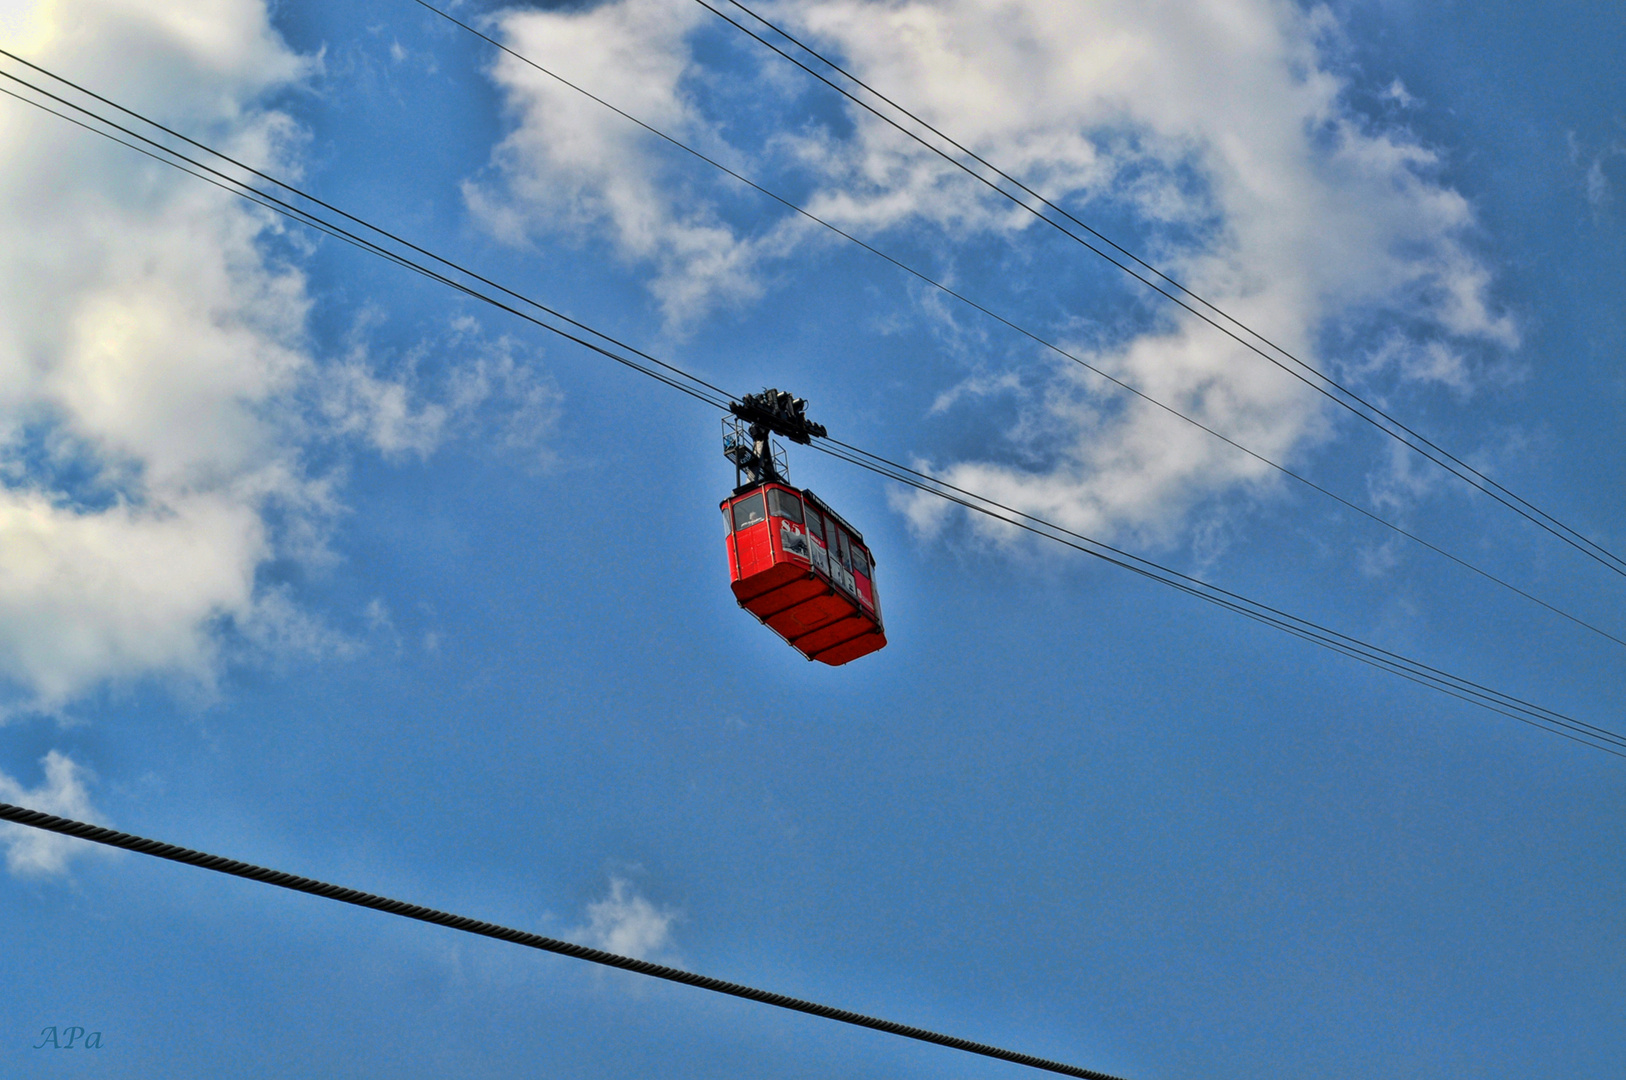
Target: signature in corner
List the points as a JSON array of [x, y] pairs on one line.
[[65, 1037]]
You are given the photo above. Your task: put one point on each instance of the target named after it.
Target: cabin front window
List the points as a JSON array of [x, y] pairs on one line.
[[748, 512], [784, 504]]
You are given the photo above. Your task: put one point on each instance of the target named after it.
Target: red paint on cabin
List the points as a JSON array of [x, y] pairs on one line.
[[800, 569]]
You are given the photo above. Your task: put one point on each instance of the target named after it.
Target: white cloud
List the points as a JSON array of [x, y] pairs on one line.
[[488, 388], [159, 387], [149, 346], [1225, 127], [572, 164], [1597, 185], [382, 411], [88, 595], [627, 924], [501, 393], [377, 614], [34, 852], [1397, 93], [1219, 120]]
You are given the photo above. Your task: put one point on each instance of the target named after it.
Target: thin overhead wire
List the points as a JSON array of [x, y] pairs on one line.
[[679, 379], [98, 834], [316, 224], [1539, 716], [1113, 380], [689, 381], [1306, 373]]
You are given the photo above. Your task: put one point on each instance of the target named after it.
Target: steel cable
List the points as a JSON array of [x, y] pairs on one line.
[[1451, 685], [349, 237], [1343, 397], [1106, 376], [1539, 716]]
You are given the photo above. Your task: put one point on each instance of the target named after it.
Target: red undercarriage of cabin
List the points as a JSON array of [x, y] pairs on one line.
[[828, 614]]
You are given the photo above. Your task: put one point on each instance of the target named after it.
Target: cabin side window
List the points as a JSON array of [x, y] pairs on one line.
[[748, 512], [815, 525], [860, 562], [784, 504]]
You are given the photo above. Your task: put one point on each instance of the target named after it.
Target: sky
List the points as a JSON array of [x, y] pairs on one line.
[[315, 563]]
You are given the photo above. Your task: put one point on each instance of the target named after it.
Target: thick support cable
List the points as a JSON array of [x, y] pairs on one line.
[[98, 834]]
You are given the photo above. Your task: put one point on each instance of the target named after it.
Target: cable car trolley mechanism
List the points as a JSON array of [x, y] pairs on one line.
[[793, 562]]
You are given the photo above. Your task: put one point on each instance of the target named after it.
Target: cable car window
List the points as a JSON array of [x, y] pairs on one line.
[[748, 512], [860, 563], [842, 551], [784, 504], [815, 524], [793, 541]]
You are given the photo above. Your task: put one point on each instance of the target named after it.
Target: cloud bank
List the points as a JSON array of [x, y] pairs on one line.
[[570, 164], [148, 338], [160, 391], [1225, 129]]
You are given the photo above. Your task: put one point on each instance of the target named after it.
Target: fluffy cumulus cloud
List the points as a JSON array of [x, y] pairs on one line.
[[159, 387], [1222, 127], [572, 163], [32, 852], [628, 924], [1225, 128], [148, 338]]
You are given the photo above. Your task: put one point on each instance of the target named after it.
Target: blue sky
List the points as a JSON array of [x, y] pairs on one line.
[[313, 563]]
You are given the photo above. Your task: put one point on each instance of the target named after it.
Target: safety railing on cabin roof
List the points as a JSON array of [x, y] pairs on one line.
[[740, 449]]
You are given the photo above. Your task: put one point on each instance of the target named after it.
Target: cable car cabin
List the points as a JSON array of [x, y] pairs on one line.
[[804, 572]]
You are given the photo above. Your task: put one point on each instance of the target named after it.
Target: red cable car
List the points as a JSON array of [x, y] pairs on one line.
[[793, 562], [804, 572]]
